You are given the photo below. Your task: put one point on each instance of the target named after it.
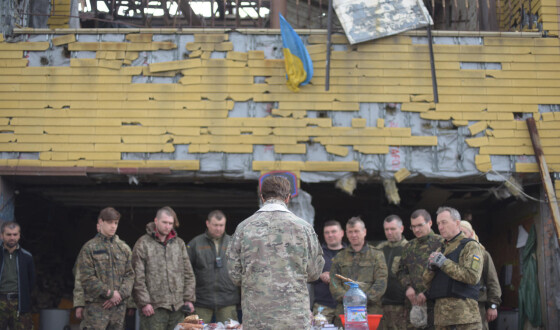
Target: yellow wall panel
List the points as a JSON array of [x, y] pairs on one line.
[[6, 63], [54, 110], [63, 40], [477, 127], [208, 37], [29, 46], [175, 65], [359, 122], [337, 150], [20, 162], [237, 56], [11, 54], [526, 167], [255, 55], [401, 174], [290, 148], [369, 149], [223, 47], [139, 37]]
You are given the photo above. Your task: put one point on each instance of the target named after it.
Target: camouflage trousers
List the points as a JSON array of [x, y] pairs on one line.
[[9, 317], [97, 318], [163, 319], [328, 312], [222, 314], [482, 310], [469, 326], [395, 317]]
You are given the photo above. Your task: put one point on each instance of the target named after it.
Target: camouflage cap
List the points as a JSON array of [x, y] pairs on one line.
[[419, 316]]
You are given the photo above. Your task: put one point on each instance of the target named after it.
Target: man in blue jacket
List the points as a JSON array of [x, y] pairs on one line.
[[17, 277]]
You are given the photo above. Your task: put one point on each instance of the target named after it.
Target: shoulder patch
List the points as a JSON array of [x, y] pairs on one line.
[[475, 264]]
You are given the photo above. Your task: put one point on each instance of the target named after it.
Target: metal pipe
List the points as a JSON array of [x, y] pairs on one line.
[[432, 65], [329, 32], [277, 7]]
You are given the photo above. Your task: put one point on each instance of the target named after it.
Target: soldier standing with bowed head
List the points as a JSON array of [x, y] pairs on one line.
[[362, 263], [105, 269], [414, 260], [394, 311], [164, 280], [216, 294], [333, 233], [272, 256]]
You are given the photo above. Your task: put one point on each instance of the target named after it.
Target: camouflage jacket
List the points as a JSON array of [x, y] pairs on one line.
[[272, 256], [164, 275], [454, 311], [105, 264], [78, 295], [366, 266], [414, 260], [395, 293], [490, 291]]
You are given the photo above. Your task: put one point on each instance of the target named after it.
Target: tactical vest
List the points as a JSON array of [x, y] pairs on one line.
[[395, 293], [444, 286]]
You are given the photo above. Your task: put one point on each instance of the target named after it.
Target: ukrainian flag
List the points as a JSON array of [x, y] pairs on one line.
[[299, 67]]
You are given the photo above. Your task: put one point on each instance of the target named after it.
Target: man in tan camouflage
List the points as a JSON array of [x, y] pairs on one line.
[[490, 291], [394, 312], [105, 269], [453, 274], [78, 293], [361, 263], [164, 280], [272, 256], [414, 260]]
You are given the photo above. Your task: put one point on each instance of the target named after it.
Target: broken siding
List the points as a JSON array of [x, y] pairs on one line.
[[528, 15], [175, 98]]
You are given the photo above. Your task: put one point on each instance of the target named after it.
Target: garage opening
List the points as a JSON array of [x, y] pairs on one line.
[[58, 215]]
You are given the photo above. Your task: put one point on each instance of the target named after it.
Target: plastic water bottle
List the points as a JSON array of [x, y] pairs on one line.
[[355, 308]]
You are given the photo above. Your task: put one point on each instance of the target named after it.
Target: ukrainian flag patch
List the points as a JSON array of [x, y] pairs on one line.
[[475, 262]]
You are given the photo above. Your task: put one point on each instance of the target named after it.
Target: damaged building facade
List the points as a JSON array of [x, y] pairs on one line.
[[191, 117]]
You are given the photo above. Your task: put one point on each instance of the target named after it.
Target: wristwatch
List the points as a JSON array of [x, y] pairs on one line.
[[493, 306]]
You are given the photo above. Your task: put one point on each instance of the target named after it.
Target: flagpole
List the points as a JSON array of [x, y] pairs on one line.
[[329, 32], [432, 64]]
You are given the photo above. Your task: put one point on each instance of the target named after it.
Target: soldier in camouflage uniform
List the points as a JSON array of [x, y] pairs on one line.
[[361, 263], [414, 260], [394, 312], [453, 275], [272, 256], [165, 284], [490, 291], [17, 278], [79, 299], [105, 270]]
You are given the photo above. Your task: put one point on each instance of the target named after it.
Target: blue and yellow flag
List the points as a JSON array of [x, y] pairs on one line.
[[299, 67]]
